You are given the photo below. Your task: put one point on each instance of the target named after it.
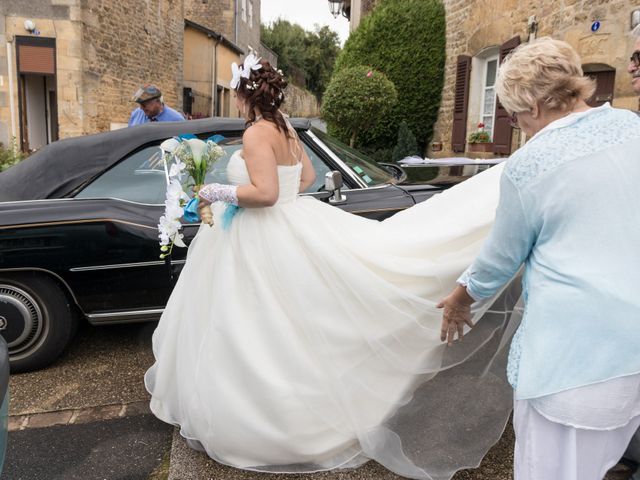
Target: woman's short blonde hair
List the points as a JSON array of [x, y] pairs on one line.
[[547, 72]]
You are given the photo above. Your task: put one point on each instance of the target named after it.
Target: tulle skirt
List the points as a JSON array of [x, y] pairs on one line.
[[303, 338]]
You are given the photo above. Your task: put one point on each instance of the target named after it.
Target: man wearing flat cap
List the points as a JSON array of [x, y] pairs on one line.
[[152, 108]]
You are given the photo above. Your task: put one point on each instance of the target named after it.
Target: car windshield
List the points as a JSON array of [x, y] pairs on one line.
[[364, 167]]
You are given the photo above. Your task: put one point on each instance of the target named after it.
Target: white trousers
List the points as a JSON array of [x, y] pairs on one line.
[[546, 450]]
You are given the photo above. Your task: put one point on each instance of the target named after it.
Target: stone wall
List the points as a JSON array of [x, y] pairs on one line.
[[58, 19], [127, 44], [216, 15], [367, 6], [300, 103], [249, 31], [475, 25]]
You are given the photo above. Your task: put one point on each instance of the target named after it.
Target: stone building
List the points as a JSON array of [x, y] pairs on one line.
[[70, 67], [481, 32], [356, 10]]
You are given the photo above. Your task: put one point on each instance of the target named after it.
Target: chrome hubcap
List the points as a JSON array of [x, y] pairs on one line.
[[21, 320]]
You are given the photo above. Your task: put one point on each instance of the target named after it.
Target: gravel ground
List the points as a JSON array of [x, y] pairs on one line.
[[187, 464], [102, 366]]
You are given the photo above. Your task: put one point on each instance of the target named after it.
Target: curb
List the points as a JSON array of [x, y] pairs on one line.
[[77, 415]]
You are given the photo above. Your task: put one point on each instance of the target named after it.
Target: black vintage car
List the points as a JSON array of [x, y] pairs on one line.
[[78, 225]]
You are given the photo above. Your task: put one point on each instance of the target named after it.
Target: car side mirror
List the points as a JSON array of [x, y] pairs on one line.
[[333, 183]]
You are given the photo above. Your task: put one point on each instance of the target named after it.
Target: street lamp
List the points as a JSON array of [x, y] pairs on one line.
[[336, 7]]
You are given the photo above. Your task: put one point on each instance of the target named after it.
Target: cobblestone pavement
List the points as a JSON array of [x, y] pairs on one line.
[[88, 412]]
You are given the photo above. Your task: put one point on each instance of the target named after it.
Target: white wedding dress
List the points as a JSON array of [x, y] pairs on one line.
[[303, 338]]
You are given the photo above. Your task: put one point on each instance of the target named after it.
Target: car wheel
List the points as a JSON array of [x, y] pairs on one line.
[[36, 320]]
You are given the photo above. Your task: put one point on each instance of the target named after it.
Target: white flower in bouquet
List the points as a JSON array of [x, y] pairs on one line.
[[195, 157]]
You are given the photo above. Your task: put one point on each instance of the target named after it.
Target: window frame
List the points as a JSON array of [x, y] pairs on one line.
[[485, 70]]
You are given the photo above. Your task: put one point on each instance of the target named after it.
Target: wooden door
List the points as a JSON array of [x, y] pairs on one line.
[[605, 82]]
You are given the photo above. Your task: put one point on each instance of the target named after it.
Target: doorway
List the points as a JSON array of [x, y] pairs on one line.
[[35, 58], [605, 77]]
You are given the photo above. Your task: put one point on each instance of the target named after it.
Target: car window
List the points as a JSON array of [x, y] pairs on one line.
[[319, 166], [363, 166], [140, 177]]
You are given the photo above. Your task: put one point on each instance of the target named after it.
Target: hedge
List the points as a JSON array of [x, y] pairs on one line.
[[356, 100], [405, 39]]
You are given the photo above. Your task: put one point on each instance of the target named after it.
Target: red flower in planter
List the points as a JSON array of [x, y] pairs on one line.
[[481, 125]]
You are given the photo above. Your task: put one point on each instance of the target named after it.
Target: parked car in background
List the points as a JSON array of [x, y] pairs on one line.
[[78, 225]]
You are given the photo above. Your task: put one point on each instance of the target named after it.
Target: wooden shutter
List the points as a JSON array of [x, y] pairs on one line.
[[37, 59], [460, 104], [502, 129]]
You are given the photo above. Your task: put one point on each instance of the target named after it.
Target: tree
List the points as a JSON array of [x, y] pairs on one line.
[[404, 39], [311, 53], [357, 99], [407, 144]]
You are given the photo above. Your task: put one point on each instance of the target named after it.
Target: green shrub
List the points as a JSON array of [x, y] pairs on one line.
[[407, 144], [356, 99], [404, 39], [380, 155], [9, 156]]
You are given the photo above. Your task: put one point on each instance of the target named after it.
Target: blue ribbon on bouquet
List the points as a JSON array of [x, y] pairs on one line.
[[191, 214]]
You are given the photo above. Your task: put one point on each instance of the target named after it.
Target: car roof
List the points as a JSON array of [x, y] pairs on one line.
[[62, 166]]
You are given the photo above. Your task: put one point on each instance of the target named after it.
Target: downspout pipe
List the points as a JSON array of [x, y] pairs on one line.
[[12, 105], [214, 79]]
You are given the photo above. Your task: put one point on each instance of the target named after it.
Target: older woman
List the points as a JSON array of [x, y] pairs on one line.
[[569, 211]]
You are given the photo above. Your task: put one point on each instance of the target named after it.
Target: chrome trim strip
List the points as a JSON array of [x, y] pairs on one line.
[[379, 210], [9, 202], [337, 159], [115, 199], [113, 318], [75, 222], [123, 265], [130, 313]]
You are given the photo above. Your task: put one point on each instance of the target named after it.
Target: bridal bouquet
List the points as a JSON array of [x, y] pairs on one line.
[[185, 156]]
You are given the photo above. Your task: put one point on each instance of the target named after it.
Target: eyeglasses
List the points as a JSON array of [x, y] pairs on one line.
[[635, 58]]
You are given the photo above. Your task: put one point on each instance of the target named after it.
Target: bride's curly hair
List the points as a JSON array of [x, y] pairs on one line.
[[264, 89]]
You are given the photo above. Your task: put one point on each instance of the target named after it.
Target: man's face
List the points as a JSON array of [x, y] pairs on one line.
[[151, 108], [634, 69]]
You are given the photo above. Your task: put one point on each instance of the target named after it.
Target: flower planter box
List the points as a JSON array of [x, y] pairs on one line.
[[480, 147]]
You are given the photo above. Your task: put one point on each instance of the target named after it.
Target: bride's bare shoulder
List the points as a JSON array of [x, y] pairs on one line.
[[258, 131]]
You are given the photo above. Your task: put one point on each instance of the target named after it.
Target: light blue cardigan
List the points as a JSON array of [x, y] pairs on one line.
[[570, 211]]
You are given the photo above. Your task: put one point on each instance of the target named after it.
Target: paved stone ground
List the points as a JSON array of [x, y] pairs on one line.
[[127, 448]]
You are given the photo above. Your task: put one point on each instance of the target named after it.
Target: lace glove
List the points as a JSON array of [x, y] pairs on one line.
[[217, 192]]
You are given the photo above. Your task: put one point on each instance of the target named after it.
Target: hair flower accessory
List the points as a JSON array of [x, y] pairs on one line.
[[251, 62]]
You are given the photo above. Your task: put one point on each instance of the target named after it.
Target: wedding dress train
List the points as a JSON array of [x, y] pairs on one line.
[[303, 338]]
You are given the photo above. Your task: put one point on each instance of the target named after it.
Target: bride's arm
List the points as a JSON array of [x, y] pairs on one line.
[[261, 163], [263, 189], [308, 172]]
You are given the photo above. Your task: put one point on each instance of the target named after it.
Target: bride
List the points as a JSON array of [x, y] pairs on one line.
[[301, 338]]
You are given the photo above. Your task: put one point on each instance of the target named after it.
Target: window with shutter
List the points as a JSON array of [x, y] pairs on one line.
[[460, 104], [503, 131]]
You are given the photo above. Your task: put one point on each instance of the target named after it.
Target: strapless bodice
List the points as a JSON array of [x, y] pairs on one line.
[[288, 177]]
